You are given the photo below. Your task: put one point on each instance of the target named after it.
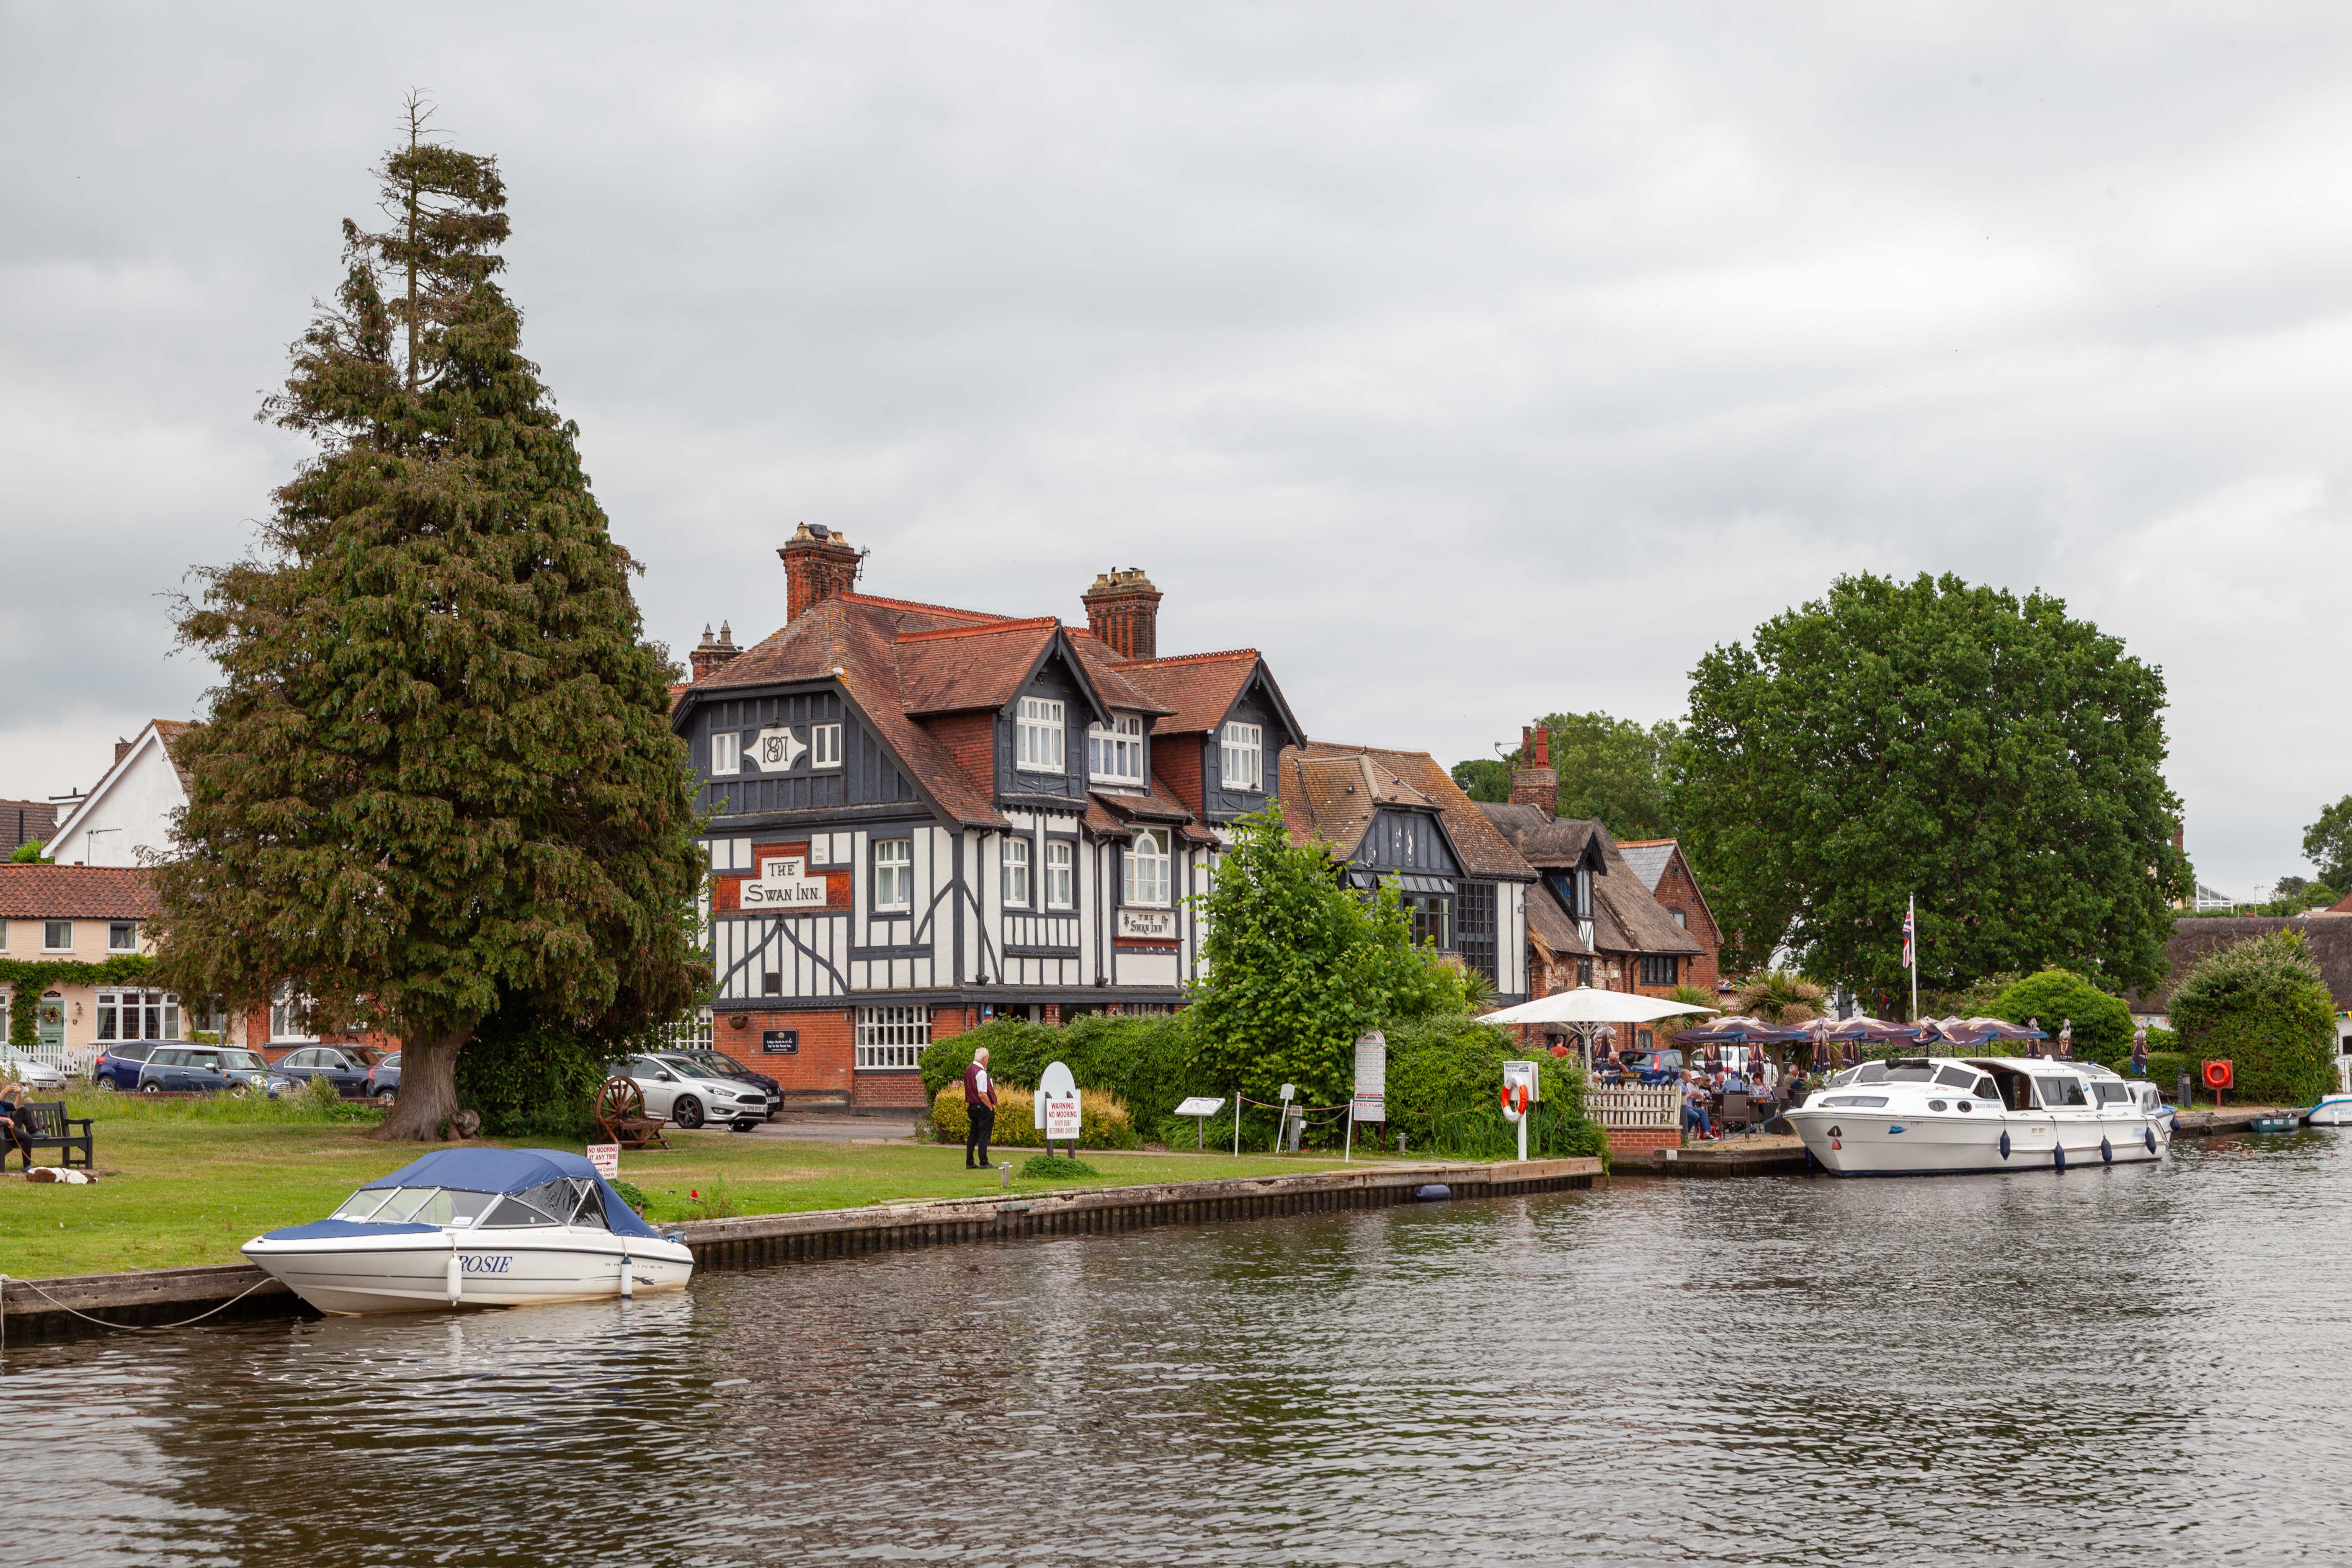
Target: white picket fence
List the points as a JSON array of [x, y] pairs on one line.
[[1635, 1107]]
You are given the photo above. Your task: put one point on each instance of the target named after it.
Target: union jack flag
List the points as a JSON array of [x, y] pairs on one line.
[[1909, 937]]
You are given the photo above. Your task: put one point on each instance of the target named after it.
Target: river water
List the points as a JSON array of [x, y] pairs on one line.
[[2135, 1365]]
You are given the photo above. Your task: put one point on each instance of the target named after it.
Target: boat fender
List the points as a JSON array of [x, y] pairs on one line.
[[2106, 1153], [2148, 1134], [2005, 1144], [457, 1272], [1432, 1192], [628, 1276], [2058, 1155]]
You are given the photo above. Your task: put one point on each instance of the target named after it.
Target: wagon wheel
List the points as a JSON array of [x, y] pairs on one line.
[[620, 1102]]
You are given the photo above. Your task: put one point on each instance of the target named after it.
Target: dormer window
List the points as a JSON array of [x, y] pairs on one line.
[[1241, 757], [1115, 750], [726, 754], [1040, 744]]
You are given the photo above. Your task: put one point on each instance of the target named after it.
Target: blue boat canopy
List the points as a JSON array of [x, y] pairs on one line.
[[512, 1171]]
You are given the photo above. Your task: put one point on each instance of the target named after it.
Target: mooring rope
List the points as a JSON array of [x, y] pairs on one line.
[[102, 1323]]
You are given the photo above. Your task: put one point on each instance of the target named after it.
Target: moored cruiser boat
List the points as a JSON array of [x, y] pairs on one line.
[[475, 1227], [1918, 1116]]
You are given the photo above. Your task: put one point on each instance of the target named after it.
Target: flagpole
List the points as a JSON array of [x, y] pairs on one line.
[[1911, 945]]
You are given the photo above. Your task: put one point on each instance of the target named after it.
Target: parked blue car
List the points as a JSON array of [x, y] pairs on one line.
[[117, 1064], [384, 1080], [202, 1067], [343, 1067]]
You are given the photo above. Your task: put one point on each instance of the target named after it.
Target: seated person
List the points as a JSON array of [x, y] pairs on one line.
[[1695, 1107], [15, 1128]]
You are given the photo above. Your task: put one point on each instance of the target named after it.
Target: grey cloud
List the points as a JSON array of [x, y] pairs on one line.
[[1473, 362]]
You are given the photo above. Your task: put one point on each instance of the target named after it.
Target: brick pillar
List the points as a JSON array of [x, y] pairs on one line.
[[1535, 782], [714, 652]]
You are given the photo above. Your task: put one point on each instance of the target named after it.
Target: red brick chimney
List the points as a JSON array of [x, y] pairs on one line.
[[1534, 782], [1123, 611], [713, 653], [818, 563]]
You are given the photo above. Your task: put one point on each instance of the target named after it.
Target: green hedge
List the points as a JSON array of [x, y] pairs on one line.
[[2264, 1005], [1103, 1122], [1444, 1085], [2103, 1025]]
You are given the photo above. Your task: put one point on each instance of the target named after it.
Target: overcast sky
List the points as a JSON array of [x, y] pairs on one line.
[[1473, 362]]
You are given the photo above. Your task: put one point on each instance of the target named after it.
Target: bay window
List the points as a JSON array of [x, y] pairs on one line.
[[138, 1016], [1039, 736], [1143, 879]]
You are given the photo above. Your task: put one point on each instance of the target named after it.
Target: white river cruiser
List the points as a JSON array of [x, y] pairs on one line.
[[475, 1227], [1920, 1116]]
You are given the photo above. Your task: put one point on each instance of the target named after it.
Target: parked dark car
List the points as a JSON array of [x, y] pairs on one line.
[[384, 1080], [718, 1064], [118, 1063], [203, 1067], [343, 1068]]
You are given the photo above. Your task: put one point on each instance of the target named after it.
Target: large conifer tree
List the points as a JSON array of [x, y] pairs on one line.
[[437, 777]]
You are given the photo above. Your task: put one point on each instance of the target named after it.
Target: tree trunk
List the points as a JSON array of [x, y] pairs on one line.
[[428, 1084]]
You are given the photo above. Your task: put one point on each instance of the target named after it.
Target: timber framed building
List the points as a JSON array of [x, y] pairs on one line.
[[923, 817]]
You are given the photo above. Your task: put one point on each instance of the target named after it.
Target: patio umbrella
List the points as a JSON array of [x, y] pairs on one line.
[[1588, 1004]]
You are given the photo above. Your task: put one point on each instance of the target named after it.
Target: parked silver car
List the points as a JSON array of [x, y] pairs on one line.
[[679, 1090]]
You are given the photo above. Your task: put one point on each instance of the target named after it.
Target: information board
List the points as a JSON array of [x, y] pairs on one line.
[[1371, 1103], [780, 1042], [1056, 1105], [606, 1158]]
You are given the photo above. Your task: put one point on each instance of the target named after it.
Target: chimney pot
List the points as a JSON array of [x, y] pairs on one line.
[[1533, 782], [714, 654], [1123, 611]]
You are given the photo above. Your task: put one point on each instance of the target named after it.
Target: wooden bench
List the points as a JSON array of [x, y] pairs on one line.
[[621, 1118], [45, 1123]]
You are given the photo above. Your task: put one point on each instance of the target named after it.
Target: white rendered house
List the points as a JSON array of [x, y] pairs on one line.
[[126, 820]]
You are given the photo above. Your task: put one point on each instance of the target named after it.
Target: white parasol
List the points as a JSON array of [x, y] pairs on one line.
[[1586, 1005]]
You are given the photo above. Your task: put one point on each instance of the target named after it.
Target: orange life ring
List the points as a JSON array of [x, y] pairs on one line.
[[1521, 1092], [2217, 1075]]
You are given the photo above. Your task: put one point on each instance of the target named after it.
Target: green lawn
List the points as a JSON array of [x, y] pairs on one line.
[[188, 1182]]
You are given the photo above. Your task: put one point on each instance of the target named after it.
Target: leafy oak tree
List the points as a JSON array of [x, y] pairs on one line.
[[2327, 844], [1993, 756], [1298, 967], [1612, 769], [437, 779]]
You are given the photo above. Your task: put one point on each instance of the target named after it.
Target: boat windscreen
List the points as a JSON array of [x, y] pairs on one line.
[[1870, 1072], [2057, 1092], [363, 1203], [512, 1212], [2113, 1093], [1910, 1072], [1956, 1077], [433, 1205]]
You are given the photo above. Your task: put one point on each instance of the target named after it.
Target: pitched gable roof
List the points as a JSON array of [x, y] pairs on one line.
[[954, 669], [78, 892], [1554, 843], [1551, 926], [1647, 859], [26, 822], [167, 733], [1628, 918], [1332, 791]]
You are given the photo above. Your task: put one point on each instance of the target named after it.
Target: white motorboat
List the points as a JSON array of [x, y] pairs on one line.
[[1919, 1116], [475, 1227], [2335, 1110]]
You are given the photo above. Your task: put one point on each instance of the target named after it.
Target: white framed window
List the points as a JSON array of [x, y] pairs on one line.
[[4, 935], [726, 754], [1041, 740], [138, 1016], [890, 1038], [1115, 750], [1241, 756], [290, 1017], [1061, 874], [824, 745], [123, 936], [56, 936], [894, 874], [1016, 873], [1143, 880]]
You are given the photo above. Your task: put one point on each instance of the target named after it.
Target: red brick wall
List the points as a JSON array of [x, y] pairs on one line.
[[1643, 1140], [826, 1058], [971, 739], [887, 1090], [1678, 892], [1177, 764]]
